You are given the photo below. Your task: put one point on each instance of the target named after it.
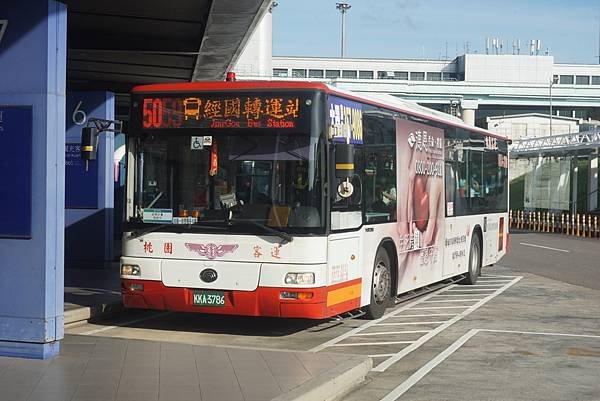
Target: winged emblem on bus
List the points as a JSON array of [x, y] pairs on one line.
[[210, 250]]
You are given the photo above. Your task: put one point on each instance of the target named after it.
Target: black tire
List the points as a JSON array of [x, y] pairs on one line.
[[381, 285], [474, 261]]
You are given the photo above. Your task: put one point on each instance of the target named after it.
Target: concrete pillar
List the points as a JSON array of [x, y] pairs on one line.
[[32, 154], [593, 182], [89, 195], [468, 107], [575, 169]]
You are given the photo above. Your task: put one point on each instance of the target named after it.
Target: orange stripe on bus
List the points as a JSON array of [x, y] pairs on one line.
[[343, 294]]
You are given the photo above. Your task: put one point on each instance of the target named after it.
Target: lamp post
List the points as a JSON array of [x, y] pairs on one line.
[[343, 7], [551, 83]]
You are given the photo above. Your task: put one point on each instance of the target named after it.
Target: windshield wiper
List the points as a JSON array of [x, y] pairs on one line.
[[139, 233], [198, 225], [284, 236]]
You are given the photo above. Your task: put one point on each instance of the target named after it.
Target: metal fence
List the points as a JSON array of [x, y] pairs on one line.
[[575, 224]]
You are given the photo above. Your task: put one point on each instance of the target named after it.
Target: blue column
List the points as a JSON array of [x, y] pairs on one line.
[[32, 75], [89, 195]]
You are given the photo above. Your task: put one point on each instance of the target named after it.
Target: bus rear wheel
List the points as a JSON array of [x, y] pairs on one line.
[[381, 285], [474, 261]]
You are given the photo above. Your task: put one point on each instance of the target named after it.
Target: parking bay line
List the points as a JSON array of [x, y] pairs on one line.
[[385, 333], [409, 323], [96, 331], [442, 356], [374, 322], [390, 361], [428, 314], [444, 307], [373, 343], [451, 300], [544, 247]]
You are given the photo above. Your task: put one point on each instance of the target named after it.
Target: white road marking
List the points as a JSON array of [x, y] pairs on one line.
[[382, 333], [409, 323], [427, 314], [380, 355], [419, 374], [374, 343], [472, 290], [374, 322], [92, 332], [544, 247], [389, 362], [460, 295], [451, 300], [487, 285], [442, 356], [541, 333], [444, 307], [491, 280]]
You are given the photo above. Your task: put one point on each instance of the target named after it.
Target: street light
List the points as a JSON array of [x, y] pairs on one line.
[[552, 82], [343, 7]]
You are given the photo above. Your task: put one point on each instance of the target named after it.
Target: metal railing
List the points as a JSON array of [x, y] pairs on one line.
[[556, 143], [576, 224]]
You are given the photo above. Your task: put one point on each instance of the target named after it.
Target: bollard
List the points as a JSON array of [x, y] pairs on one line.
[[567, 224], [552, 222], [510, 219], [583, 225], [596, 226], [543, 222], [521, 219], [547, 222], [577, 224], [562, 222]]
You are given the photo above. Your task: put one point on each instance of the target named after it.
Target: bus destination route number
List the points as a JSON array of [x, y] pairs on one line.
[[273, 111], [209, 298]]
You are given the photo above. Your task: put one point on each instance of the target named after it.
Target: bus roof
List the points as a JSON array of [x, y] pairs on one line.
[[382, 100]]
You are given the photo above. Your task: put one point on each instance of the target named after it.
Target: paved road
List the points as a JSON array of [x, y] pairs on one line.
[[568, 259], [537, 338]]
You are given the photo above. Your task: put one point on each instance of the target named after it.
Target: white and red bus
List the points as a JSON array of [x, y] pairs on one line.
[[297, 199]]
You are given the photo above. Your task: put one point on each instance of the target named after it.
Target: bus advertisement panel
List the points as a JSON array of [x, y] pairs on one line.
[[420, 205]]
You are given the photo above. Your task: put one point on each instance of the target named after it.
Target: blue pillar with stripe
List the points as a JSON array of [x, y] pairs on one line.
[[32, 159]]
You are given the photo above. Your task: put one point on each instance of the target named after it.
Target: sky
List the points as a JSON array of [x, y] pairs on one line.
[[434, 29]]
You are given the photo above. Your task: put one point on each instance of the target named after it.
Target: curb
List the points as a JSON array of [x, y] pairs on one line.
[[331, 384], [86, 313]]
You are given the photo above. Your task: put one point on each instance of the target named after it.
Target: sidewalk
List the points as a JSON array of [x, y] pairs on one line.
[[91, 292], [111, 369]]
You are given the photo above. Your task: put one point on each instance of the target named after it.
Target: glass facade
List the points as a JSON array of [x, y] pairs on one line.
[[298, 73]]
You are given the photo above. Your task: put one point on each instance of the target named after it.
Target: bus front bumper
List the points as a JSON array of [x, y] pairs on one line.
[[324, 302]]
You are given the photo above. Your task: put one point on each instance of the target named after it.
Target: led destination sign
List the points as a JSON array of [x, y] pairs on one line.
[[275, 111]]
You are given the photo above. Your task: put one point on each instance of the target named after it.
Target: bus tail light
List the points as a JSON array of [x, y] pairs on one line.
[[296, 295]]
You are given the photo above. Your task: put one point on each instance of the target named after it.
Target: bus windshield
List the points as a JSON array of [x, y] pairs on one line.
[[271, 178]]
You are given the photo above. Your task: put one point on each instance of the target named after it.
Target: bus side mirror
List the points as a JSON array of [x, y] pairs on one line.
[[344, 168], [344, 160]]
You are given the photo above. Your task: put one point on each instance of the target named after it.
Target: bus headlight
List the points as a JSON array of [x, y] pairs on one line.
[[300, 278], [130, 270]]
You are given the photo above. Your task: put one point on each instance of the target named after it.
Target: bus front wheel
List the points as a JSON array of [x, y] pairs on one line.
[[474, 260], [381, 285]]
